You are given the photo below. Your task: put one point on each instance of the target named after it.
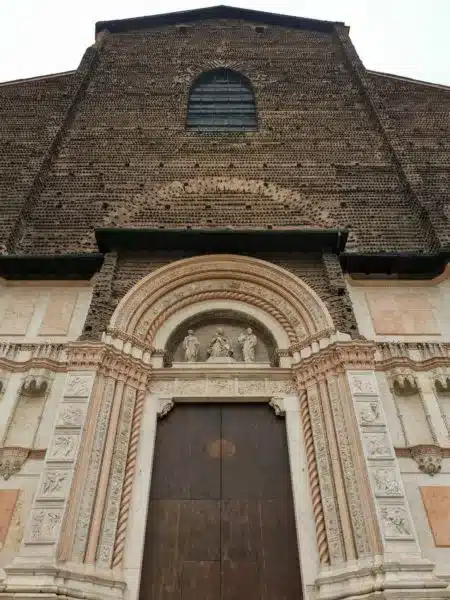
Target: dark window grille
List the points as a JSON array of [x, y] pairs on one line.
[[221, 100]]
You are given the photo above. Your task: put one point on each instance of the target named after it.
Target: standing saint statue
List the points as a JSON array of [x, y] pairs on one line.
[[191, 346], [219, 346], [248, 341]]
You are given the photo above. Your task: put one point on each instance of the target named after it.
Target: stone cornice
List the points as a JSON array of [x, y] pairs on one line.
[[109, 361], [416, 356], [335, 358], [20, 358]]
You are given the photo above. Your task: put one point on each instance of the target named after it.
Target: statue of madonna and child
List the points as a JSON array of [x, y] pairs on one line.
[[220, 346]]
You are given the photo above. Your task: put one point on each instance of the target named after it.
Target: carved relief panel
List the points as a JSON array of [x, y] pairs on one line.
[[385, 479]]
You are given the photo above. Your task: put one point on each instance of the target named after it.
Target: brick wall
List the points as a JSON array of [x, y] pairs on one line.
[[318, 158]]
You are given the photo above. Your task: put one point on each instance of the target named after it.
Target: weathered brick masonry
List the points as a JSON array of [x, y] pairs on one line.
[[336, 147]]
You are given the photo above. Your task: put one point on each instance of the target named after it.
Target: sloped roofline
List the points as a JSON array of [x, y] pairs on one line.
[[440, 86], [213, 12], [36, 78]]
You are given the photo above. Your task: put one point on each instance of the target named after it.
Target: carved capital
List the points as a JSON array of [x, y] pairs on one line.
[[110, 361], [12, 460], [334, 357], [428, 457]]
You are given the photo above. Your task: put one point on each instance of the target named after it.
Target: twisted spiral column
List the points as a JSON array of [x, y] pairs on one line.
[[313, 475], [130, 470]]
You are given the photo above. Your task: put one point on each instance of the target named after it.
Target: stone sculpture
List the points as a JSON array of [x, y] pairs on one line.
[[191, 346], [248, 341], [220, 346]]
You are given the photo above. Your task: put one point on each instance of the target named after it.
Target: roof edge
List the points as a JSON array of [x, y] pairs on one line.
[[212, 12], [37, 78], [409, 79]]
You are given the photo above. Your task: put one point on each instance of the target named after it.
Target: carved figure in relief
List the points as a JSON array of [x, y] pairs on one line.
[[63, 446], [370, 413], [191, 346], [377, 446], [53, 482], [220, 346], [395, 520], [386, 483], [248, 341]]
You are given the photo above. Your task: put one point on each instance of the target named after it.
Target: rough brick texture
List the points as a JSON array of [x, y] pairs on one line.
[[31, 113], [319, 158]]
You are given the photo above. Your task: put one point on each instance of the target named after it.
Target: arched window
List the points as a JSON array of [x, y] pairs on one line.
[[221, 100]]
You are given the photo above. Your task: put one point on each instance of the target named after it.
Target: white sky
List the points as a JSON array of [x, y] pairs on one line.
[[405, 37]]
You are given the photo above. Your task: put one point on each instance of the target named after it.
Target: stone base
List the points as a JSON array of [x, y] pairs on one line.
[[220, 359], [220, 362], [51, 581], [382, 577]]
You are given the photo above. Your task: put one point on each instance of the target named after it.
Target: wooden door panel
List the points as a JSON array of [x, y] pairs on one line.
[[258, 468], [161, 569], [199, 530], [241, 530], [241, 580], [183, 469], [201, 580], [280, 569], [221, 521]]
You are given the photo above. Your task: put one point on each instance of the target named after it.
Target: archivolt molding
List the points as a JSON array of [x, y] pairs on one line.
[[255, 282]]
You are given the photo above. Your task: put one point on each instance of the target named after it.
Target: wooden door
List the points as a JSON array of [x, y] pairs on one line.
[[221, 520]]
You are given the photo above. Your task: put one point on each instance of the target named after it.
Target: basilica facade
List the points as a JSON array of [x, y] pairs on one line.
[[224, 319]]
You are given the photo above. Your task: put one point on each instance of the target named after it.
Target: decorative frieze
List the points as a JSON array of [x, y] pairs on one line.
[[203, 385]]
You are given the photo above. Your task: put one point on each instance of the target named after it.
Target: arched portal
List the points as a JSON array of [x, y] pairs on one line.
[[233, 293], [135, 387], [255, 283]]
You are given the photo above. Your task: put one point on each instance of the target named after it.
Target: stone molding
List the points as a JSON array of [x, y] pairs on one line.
[[150, 302], [20, 357], [416, 356]]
